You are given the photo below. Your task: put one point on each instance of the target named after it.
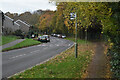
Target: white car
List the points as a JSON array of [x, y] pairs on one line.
[[55, 35], [63, 36], [58, 35], [47, 37]]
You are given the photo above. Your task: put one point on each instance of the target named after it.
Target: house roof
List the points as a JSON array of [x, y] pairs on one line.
[[8, 18], [22, 22], [11, 20], [16, 23]]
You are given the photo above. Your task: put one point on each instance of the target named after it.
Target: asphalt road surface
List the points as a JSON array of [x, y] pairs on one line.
[[18, 60]]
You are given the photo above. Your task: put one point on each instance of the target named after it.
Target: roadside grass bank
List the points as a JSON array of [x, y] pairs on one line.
[[7, 39], [64, 65], [25, 43], [78, 40]]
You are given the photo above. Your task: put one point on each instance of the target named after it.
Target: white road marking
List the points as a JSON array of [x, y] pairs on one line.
[[46, 48], [17, 56], [34, 51], [42, 45], [57, 45], [38, 50], [51, 45], [69, 45]]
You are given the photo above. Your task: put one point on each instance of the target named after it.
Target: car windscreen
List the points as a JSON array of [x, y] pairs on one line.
[[43, 37], [40, 36], [46, 36]]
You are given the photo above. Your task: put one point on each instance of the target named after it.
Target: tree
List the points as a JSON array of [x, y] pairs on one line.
[[45, 21], [99, 17]]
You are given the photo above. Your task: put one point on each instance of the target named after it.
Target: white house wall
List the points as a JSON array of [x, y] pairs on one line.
[[23, 26], [9, 24], [16, 26], [0, 22]]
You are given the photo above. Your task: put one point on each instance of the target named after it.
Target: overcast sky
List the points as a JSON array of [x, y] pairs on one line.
[[20, 6]]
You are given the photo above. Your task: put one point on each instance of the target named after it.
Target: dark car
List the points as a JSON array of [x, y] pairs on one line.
[[52, 34]]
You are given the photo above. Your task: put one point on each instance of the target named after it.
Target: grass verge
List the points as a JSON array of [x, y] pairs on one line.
[[64, 65], [78, 40], [7, 39], [25, 43]]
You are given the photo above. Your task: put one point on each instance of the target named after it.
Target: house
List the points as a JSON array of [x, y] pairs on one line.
[[9, 26], [24, 27], [1, 22]]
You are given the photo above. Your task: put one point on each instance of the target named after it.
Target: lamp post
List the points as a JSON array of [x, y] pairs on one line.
[[74, 16]]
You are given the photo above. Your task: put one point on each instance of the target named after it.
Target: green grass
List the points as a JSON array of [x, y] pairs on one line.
[[80, 41], [65, 65], [25, 43], [7, 39]]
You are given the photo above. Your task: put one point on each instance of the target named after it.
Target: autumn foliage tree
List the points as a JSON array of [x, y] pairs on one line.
[[44, 21], [96, 19]]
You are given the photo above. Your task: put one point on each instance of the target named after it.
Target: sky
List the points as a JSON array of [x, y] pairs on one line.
[[20, 6]]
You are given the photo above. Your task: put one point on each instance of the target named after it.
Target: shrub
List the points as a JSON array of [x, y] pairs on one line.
[[18, 32], [114, 54]]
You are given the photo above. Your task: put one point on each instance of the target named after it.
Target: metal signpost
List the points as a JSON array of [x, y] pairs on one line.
[[74, 16]]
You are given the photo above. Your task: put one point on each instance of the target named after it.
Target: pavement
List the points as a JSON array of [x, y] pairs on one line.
[[98, 66], [12, 43], [18, 60]]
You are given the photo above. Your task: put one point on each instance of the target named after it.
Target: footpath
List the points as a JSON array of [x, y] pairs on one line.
[[98, 68], [12, 43]]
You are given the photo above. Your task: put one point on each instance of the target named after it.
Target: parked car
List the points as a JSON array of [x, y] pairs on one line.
[[52, 34], [39, 37], [55, 35], [33, 36], [42, 39], [63, 36], [47, 37], [59, 36]]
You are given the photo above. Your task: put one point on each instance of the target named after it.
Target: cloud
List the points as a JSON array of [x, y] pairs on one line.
[[19, 6]]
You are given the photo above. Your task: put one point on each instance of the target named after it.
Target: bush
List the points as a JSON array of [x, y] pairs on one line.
[[114, 53], [19, 33], [7, 31]]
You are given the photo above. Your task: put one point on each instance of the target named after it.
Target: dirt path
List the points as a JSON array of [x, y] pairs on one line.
[[98, 66]]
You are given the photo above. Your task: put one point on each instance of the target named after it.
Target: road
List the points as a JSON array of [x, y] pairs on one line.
[[18, 60]]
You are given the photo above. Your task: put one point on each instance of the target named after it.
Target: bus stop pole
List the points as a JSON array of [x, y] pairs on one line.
[[76, 35]]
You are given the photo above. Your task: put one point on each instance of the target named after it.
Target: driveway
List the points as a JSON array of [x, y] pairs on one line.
[[18, 60]]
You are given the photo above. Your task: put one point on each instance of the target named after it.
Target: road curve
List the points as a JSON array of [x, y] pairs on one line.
[[18, 60]]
